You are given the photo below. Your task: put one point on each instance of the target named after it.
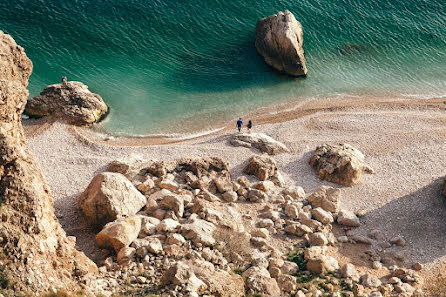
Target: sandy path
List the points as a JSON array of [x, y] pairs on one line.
[[404, 143]]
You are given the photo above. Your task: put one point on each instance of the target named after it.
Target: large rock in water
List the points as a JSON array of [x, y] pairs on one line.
[[71, 102], [279, 40], [342, 164], [109, 196], [260, 141], [37, 253]]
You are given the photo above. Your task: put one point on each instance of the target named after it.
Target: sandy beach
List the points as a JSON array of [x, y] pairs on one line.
[[402, 140]]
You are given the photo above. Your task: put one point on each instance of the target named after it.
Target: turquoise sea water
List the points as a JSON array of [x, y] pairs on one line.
[[180, 66]]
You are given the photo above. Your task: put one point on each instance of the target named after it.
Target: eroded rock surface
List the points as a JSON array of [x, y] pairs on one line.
[[39, 254], [260, 141], [279, 40], [342, 164], [71, 102]]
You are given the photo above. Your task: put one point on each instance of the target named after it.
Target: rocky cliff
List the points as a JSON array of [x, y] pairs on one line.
[[36, 255]]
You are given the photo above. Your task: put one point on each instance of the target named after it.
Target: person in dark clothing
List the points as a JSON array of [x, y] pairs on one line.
[[239, 124], [249, 126]]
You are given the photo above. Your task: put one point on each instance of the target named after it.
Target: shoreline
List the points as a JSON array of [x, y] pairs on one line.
[[271, 114], [402, 140]]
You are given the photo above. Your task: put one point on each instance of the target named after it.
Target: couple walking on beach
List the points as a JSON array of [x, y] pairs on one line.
[[240, 124]]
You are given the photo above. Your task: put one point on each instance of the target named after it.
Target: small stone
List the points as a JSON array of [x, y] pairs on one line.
[[291, 211], [318, 238], [417, 266], [265, 223], [265, 186], [362, 239], [349, 271], [154, 246], [260, 232], [398, 240], [322, 216], [370, 281], [348, 218], [287, 282], [343, 239], [230, 196], [289, 267], [376, 234], [377, 265]]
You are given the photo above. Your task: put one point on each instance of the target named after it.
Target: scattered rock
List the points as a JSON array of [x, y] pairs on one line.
[[258, 280], [265, 186], [119, 233], [327, 198], [71, 102], [398, 240], [129, 166], [177, 274], [297, 193], [173, 202], [109, 196], [230, 196], [167, 226], [342, 164], [322, 216], [349, 271], [417, 266], [370, 281], [348, 218], [279, 40], [287, 282], [318, 238], [260, 141], [318, 262], [199, 231], [361, 239], [125, 255]]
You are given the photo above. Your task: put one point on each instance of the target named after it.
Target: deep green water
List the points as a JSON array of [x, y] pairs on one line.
[[176, 66]]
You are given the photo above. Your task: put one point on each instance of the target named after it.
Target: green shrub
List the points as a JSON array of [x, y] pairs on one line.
[[4, 278]]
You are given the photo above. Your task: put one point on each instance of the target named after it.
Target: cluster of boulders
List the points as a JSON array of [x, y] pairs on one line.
[[181, 223]]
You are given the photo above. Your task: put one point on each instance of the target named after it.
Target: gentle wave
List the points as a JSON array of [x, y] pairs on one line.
[[178, 67]]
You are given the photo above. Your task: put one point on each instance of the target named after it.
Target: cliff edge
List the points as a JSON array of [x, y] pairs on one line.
[[35, 253]]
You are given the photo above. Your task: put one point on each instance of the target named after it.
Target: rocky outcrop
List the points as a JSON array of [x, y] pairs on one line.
[[260, 141], [342, 164], [263, 167], [279, 40], [71, 102], [109, 196], [36, 253]]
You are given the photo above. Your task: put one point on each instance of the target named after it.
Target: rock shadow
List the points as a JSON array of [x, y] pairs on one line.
[[301, 173], [75, 223], [420, 217], [235, 66]]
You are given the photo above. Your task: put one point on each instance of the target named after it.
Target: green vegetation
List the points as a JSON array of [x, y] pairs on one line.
[[239, 271], [4, 279]]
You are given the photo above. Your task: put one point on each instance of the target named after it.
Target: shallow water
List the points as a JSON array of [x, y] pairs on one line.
[[183, 66]]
